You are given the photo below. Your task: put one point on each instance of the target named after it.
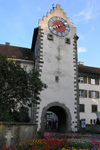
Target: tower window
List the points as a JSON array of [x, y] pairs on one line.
[[50, 37], [57, 78], [67, 40]]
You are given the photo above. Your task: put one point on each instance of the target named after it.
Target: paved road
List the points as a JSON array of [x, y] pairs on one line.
[[93, 136]]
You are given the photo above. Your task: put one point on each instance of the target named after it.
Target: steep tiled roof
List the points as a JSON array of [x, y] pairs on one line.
[[88, 69], [16, 52]]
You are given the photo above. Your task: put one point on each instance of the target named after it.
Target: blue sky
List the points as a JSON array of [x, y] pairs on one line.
[[18, 18]]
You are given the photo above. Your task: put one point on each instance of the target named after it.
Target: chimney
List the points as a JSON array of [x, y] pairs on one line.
[[81, 63], [7, 43]]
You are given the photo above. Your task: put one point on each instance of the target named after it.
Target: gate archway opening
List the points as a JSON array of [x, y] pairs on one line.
[[61, 112], [56, 119]]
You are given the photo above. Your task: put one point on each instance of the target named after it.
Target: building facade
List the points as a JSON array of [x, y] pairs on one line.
[[89, 92], [73, 91]]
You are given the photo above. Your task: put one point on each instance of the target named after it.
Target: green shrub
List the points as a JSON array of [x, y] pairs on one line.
[[5, 116]]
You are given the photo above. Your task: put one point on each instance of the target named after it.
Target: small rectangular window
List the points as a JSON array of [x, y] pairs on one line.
[[94, 108], [82, 108], [90, 121], [57, 78], [80, 79], [67, 40], [82, 93], [50, 37], [93, 94], [92, 81]]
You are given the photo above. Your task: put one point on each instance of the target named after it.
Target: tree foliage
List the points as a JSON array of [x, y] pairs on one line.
[[18, 88]]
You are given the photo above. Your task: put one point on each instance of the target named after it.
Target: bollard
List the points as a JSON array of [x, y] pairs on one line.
[[8, 138]]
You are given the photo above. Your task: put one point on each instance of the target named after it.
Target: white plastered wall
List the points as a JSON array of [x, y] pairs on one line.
[[63, 91], [88, 102]]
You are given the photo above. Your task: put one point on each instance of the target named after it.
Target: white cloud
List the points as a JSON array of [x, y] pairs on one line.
[[81, 49], [91, 11], [39, 9]]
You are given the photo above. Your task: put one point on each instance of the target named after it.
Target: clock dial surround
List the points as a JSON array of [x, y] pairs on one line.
[[58, 26]]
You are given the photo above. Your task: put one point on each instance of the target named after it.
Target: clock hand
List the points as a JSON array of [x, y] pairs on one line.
[[60, 25], [57, 26]]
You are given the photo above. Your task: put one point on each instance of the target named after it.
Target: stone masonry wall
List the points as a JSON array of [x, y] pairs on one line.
[[19, 133]]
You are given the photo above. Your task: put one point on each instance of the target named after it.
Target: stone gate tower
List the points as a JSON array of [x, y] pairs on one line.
[[55, 47]]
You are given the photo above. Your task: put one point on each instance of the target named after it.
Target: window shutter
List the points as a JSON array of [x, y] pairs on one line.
[[97, 81], [85, 79], [85, 93], [89, 94], [89, 80], [97, 94]]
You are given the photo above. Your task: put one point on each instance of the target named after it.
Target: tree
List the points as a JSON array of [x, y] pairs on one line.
[[35, 86], [17, 87]]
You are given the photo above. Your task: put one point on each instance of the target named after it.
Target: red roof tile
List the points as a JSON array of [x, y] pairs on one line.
[[16, 52], [88, 69]]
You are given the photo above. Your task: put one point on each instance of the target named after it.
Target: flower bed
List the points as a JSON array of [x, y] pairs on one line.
[[48, 135], [52, 141], [57, 144]]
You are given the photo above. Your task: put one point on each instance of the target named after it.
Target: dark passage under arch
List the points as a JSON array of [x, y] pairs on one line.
[[59, 116], [56, 119]]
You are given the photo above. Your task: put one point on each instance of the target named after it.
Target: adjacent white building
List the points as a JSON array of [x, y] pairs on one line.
[[89, 92]]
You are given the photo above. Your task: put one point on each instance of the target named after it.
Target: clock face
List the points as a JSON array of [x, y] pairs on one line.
[[58, 26]]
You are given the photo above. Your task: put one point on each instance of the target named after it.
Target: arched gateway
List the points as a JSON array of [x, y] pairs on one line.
[[55, 49], [63, 116]]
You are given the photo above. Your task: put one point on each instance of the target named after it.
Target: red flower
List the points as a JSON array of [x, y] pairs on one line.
[[3, 148], [34, 148], [13, 148]]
